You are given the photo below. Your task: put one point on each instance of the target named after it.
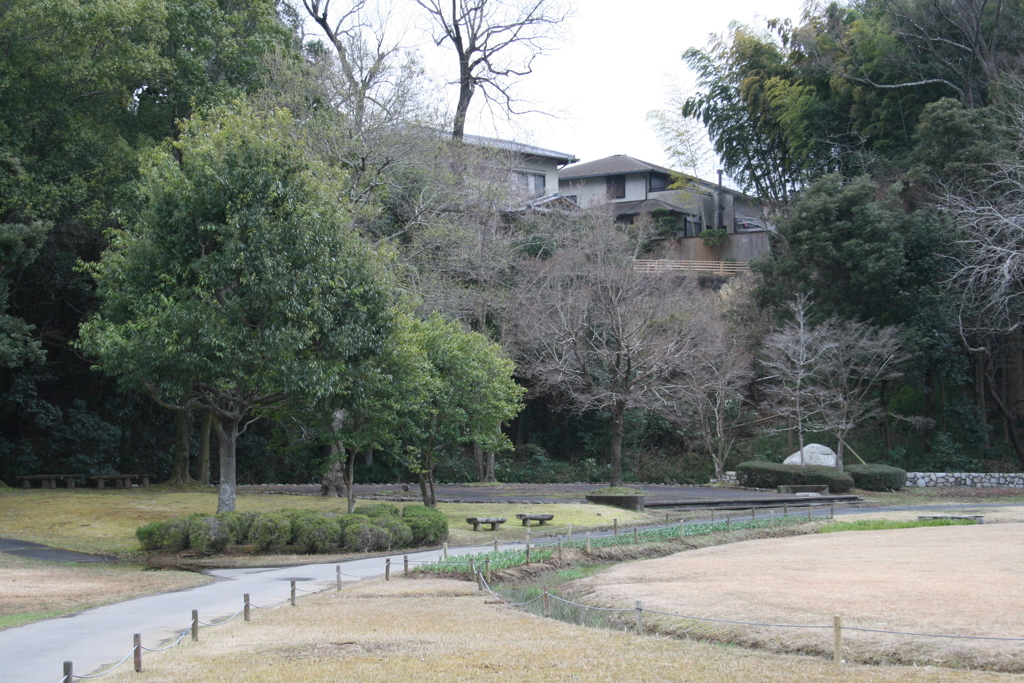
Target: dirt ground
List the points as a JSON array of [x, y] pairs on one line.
[[31, 590], [442, 630], [961, 580]]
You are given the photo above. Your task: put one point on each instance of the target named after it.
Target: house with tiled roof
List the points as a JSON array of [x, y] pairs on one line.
[[683, 206]]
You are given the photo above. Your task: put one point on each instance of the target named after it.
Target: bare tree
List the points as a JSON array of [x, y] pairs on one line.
[[713, 393], [495, 41], [792, 359], [598, 335], [857, 359]]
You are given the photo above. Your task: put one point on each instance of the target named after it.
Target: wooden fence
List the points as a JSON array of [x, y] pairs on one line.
[[705, 267]]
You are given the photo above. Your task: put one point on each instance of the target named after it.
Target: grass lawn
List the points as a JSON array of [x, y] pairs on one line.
[[31, 590], [427, 630], [90, 520], [943, 495]]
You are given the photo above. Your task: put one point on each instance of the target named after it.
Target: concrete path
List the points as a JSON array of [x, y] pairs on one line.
[[38, 551], [102, 636]]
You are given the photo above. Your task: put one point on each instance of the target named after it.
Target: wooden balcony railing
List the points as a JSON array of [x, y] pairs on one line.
[[705, 267]]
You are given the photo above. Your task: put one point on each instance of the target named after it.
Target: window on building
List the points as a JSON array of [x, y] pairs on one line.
[[659, 181], [616, 186], [533, 184]]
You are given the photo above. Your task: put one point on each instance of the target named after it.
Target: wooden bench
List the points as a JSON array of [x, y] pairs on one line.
[[122, 481], [803, 488], [540, 519], [495, 522], [48, 481]]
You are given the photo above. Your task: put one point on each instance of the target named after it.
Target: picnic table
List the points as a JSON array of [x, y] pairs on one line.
[[48, 481], [122, 481]]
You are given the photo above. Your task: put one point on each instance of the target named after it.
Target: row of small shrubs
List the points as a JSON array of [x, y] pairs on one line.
[[769, 475], [368, 528], [877, 477]]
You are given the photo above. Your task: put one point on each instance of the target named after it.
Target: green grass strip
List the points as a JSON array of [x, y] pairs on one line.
[[882, 524], [502, 559]]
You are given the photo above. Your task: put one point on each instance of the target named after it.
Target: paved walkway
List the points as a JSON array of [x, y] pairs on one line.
[[38, 551]]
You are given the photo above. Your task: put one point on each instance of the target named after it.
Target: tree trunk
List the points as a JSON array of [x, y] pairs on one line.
[[433, 496], [1007, 417], [332, 484], [489, 467], [350, 478], [182, 448], [979, 395], [883, 400], [368, 457], [423, 489], [929, 411], [465, 95], [618, 409], [227, 435], [203, 457], [478, 458]]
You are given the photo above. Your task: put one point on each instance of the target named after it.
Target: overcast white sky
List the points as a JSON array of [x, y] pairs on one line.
[[618, 60]]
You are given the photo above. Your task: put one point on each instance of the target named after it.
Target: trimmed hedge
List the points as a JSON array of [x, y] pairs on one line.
[[378, 510], [877, 477], [769, 475], [312, 531], [428, 525]]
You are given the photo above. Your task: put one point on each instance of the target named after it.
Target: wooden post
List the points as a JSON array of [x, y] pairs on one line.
[[832, 511], [785, 509], [588, 542], [405, 571], [639, 616], [527, 547], [728, 523], [837, 636], [615, 523], [137, 651], [682, 529], [337, 577], [444, 551], [293, 592], [809, 508], [487, 570], [69, 669], [472, 566], [753, 515], [547, 603], [387, 569], [495, 545], [479, 580], [559, 547], [569, 538], [636, 536], [712, 516], [771, 519], [195, 625], [245, 607]]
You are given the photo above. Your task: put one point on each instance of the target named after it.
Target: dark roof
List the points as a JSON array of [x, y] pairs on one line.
[[520, 148], [644, 206], [614, 165]]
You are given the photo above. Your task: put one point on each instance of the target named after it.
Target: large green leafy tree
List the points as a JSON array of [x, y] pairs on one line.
[[459, 389], [240, 283], [84, 86]]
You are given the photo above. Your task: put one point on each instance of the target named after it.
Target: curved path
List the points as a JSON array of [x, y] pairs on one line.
[[102, 636]]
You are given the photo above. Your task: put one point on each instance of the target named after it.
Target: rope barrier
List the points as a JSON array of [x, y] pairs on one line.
[[104, 673], [181, 636]]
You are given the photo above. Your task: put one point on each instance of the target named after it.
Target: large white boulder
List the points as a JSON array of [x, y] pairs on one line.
[[814, 454]]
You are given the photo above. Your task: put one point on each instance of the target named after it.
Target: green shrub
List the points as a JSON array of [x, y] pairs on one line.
[[294, 518], [317, 533], [367, 537], [175, 535], [378, 510], [769, 475], [270, 529], [207, 534], [238, 525], [401, 534], [151, 536], [427, 524], [877, 477]]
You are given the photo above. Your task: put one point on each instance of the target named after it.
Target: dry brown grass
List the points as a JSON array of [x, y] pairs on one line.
[[963, 580], [440, 630], [31, 590], [95, 521]]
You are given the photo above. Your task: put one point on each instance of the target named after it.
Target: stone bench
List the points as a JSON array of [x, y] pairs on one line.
[[980, 519], [122, 481], [495, 522], [803, 488], [48, 481], [540, 519]]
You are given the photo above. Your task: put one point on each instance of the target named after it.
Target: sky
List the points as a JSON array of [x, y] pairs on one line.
[[614, 63]]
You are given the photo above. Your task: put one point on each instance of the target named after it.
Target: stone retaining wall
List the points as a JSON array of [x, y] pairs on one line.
[[936, 479], [972, 479]]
